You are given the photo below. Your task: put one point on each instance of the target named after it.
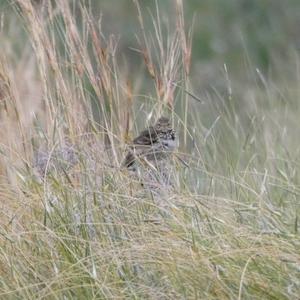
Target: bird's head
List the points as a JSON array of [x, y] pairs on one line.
[[163, 124]]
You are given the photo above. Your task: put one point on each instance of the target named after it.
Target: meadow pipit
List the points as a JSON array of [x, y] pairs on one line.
[[153, 145]]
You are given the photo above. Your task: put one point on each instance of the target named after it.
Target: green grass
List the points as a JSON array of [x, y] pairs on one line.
[[228, 229]]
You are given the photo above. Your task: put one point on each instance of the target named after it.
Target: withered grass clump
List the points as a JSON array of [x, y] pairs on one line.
[[74, 224]]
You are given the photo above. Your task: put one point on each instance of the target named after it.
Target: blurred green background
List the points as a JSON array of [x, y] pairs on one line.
[[257, 40], [235, 32], [243, 34]]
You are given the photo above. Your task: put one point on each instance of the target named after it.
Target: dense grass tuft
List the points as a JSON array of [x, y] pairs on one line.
[[75, 225]]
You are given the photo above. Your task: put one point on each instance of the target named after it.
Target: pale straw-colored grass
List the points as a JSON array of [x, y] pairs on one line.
[[226, 229]]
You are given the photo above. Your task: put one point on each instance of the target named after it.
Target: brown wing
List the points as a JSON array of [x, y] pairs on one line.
[[146, 137]]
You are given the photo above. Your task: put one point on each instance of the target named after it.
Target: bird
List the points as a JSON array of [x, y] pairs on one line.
[[152, 145]]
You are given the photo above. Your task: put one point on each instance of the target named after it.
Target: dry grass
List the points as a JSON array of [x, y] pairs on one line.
[[228, 229]]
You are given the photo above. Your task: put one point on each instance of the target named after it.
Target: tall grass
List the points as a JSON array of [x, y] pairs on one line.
[[228, 228]]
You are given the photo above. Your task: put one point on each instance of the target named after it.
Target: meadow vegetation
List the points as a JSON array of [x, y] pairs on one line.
[[85, 228]]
